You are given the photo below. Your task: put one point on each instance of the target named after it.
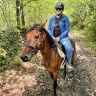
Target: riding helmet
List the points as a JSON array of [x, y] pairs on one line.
[[59, 5]]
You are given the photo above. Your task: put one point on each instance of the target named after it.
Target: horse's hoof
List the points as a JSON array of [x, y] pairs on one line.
[[64, 77], [54, 95], [72, 72]]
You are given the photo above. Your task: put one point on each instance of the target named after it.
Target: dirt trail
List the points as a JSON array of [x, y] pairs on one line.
[[35, 81]]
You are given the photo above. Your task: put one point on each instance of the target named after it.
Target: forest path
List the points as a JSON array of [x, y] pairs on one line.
[[33, 80]]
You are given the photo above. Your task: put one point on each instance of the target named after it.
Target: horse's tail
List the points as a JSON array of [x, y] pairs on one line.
[[73, 45], [74, 48]]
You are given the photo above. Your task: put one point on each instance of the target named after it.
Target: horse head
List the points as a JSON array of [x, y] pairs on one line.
[[34, 39]]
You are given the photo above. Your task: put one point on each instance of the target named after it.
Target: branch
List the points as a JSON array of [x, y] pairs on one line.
[[27, 13], [27, 3]]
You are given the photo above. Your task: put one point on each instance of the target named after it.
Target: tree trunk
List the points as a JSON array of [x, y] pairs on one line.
[[18, 13], [22, 14]]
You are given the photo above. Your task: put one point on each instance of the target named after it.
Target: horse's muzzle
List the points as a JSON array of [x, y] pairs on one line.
[[24, 58]]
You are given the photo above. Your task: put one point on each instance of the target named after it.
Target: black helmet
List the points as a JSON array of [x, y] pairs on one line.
[[59, 5]]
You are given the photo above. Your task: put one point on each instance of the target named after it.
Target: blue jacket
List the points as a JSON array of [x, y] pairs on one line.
[[64, 24]]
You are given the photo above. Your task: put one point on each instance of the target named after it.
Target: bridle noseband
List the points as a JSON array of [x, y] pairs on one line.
[[29, 46]]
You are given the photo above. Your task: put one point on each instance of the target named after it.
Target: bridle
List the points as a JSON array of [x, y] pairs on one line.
[[37, 47]]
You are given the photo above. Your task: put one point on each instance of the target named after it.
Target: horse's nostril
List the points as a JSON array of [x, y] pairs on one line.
[[24, 58], [33, 53], [21, 57]]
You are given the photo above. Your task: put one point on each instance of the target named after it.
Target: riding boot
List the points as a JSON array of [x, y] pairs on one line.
[[69, 67]]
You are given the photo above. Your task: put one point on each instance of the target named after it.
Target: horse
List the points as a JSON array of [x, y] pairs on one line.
[[37, 39]]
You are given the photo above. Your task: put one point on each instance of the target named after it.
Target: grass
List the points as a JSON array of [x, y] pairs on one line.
[[89, 40]]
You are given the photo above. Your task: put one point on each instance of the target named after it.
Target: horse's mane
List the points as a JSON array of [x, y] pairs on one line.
[[49, 37], [34, 27]]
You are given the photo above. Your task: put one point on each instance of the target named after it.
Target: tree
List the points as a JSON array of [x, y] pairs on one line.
[[18, 13], [22, 14]]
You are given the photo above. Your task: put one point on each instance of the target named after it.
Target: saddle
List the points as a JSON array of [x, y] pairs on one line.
[[61, 49]]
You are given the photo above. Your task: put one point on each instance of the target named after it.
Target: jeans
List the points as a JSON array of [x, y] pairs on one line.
[[68, 49]]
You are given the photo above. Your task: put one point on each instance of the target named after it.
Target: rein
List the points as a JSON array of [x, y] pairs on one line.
[[49, 60]]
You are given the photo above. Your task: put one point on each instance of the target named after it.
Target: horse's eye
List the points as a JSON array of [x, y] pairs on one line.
[[36, 37]]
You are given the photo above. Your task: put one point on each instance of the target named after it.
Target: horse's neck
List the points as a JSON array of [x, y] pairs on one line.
[[46, 49]]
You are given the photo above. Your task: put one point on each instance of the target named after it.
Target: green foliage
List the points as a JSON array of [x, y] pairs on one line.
[[92, 17], [11, 44], [84, 19], [79, 15], [40, 11], [3, 62], [84, 15]]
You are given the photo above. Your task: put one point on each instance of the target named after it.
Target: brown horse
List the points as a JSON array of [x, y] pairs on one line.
[[37, 39]]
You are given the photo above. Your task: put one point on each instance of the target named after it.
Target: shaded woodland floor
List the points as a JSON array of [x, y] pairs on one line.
[[32, 80]]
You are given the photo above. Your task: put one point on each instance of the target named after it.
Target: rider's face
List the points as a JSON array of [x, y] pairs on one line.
[[58, 11]]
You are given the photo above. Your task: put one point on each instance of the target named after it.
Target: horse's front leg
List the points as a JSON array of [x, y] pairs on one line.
[[55, 75], [64, 74], [55, 86], [51, 75]]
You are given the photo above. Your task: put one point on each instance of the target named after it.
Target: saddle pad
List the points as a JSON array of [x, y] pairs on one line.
[[60, 50], [59, 46], [61, 53]]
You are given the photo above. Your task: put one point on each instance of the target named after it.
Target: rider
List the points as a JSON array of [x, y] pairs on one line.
[[58, 28]]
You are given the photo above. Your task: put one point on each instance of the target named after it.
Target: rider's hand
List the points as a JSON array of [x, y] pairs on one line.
[[57, 39]]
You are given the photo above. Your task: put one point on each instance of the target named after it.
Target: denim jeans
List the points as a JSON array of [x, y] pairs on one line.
[[68, 48]]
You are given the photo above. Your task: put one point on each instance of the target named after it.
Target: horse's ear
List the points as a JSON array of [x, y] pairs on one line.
[[31, 24], [42, 25]]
